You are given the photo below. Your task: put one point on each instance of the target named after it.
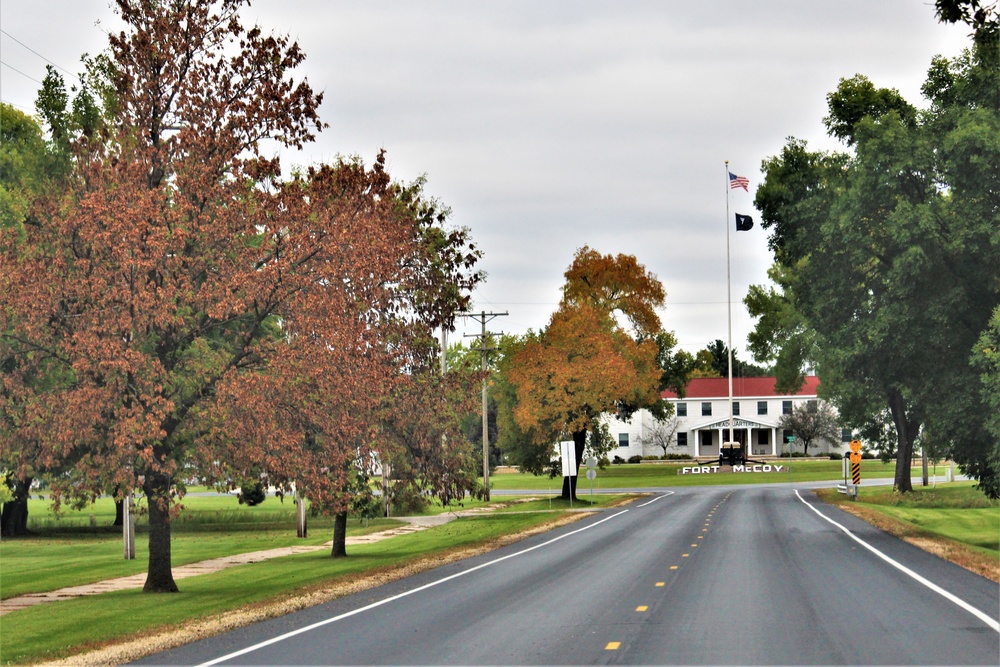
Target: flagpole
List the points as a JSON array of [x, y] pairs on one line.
[[729, 307]]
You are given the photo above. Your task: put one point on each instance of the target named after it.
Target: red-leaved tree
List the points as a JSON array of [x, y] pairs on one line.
[[191, 311]]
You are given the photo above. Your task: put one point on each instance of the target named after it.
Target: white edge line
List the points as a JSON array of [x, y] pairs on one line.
[[650, 502], [334, 619], [985, 618]]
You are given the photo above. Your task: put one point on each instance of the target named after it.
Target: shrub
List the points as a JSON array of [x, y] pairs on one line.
[[836, 456], [408, 500], [618, 460], [635, 459], [252, 493]]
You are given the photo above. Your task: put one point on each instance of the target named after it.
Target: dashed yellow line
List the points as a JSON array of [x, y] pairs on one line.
[[642, 607], [660, 584], [673, 567], [612, 646]]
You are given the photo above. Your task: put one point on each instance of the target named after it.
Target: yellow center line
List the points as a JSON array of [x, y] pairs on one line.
[[673, 567], [660, 583], [684, 555], [612, 646], [641, 607]]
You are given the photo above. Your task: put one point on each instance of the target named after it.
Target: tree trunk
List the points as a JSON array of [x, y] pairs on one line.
[[14, 518], [159, 576], [906, 433], [119, 510], [569, 488], [339, 549]]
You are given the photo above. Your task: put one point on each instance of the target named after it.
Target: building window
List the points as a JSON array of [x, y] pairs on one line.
[[623, 439], [706, 439], [736, 408], [845, 435], [682, 439], [706, 409], [786, 407], [762, 438], [682, 409], [762, 407]]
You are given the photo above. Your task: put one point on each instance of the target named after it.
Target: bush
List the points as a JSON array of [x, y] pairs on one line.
[[252, 493], [867, 455], [618, 460], [836, 456], [408, 500], [676, 457], [635, 459]]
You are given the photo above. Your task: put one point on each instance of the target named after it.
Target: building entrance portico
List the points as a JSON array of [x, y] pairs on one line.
[[759, 438]]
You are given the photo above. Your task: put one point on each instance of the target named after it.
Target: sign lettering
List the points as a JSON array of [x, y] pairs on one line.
[[708, 470]]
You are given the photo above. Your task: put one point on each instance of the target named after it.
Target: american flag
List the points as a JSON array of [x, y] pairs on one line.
[[738, 182]]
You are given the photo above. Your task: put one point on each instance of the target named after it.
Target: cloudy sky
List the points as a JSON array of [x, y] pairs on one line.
[[547, 125]]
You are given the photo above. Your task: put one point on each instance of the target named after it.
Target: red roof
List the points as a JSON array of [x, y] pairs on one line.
[[742, 387]]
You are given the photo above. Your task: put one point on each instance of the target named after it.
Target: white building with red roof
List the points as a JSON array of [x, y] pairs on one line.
[[702, 419]]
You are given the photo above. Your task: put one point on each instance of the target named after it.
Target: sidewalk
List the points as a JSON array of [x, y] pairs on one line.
[[414, 524]]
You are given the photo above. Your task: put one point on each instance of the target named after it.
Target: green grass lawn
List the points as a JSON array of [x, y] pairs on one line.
[[58, 629], [644, 475], [957, 511]]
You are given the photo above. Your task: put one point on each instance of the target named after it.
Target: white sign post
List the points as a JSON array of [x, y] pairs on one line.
[[567, 450]]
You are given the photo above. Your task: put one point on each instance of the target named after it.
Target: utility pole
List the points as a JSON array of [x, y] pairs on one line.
[[483, 317]]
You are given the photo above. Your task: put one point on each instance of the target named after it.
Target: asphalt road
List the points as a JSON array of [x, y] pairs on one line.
[[741, 575]]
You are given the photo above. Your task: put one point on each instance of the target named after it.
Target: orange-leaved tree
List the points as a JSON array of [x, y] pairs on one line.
[[198, 314], [597, 354]]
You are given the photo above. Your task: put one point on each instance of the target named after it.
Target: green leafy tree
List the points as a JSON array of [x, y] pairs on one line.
[[519, 442], [885, 259], [982, 17], [986, 361], [781, 338], [719, 352]]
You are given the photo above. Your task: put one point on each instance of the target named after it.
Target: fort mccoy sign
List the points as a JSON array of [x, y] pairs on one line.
[[708, 470]]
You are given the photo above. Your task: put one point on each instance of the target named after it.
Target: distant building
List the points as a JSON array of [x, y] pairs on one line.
[[701, 420]]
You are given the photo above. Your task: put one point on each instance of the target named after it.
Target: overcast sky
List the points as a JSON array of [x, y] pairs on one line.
[[547, 125]]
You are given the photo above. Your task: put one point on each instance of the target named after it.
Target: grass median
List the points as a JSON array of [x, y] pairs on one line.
[[227, 598], [955, 521], [661, 474]]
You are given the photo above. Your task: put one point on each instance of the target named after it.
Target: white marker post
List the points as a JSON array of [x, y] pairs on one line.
[[567, 450]]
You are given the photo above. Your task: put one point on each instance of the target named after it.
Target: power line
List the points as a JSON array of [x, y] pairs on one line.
[[36, 53], [27, 76]]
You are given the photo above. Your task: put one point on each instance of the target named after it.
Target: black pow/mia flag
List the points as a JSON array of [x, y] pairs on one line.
[[743, 222]]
